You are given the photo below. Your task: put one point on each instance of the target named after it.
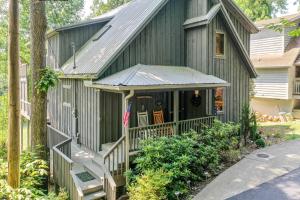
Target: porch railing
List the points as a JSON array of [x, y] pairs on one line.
[[297, 87], [114, 167], [138, 134], [62, 163], [25, 108]]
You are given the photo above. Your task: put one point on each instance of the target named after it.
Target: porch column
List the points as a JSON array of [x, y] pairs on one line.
[[176, 110], [126, 130]]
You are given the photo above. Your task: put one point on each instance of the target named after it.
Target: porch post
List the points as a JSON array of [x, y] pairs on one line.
[[126, 130], [176, 110]]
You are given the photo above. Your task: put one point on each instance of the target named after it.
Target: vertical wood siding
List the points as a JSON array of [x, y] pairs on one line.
[[161, 42], [52, 58], [231, 68], [243, 33], [196, 8], [79, 36], [88, 107], [59, 46], [272, 83]]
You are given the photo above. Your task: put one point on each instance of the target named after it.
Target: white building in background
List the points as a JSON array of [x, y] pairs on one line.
[[275, 56]]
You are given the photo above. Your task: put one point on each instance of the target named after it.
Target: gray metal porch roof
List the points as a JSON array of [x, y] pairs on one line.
[[152, 77]]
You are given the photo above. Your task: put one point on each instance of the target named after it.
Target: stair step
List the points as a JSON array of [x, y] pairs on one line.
[[95, 196], [91, 187]]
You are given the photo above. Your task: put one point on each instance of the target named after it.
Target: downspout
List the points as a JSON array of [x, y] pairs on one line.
[[126, 101]]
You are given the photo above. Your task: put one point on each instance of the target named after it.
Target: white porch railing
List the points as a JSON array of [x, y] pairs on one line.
[[138, 134], [25, 109], [297, 87]]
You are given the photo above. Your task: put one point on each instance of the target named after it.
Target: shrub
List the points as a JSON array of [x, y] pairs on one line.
[[249, 128], [182, 156], [260, 143], [223, 136], [150, 186]]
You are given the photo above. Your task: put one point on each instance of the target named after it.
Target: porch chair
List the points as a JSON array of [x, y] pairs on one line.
[[158, 118], [143, 121]]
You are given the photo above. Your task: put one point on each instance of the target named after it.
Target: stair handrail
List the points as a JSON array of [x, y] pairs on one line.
[[113, 147]]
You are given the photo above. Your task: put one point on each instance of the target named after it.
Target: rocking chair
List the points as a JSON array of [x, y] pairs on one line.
[[158, 117]]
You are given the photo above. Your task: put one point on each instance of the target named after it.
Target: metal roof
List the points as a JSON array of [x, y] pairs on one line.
[[101, 49], [143, 77]]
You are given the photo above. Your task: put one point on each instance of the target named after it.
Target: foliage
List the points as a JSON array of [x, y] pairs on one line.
[[3, 117], [187, 158], [101, 6], [150, 186], [260, 143], [48, 80], [173, 155], [34, 176], [284, 23], [249, 128], [60, 13], [262, 9]]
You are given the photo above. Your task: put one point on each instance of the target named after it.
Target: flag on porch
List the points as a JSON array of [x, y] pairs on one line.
[[126, 116]]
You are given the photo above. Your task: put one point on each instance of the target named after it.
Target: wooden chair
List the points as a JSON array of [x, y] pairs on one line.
[[143, 119], [158, 118]]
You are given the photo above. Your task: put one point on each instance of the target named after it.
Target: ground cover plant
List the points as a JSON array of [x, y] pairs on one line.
[[34, 178]]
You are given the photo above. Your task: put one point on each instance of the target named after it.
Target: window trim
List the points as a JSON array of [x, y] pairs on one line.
[[223, 99], [66, 87], [223, 56]]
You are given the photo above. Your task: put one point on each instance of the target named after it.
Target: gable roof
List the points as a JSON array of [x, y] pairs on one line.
[[101, 49], [240, 15], [96, 55], [286, 59], [239, 43], [149, 77], [291, 18]]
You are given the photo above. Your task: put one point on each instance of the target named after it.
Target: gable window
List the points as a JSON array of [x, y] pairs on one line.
[[220, 44], [67, 95], [219, 100]]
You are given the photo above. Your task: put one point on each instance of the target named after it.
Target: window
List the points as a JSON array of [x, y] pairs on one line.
[[67, 95], [219, 101], [297, 72], [220, 44]]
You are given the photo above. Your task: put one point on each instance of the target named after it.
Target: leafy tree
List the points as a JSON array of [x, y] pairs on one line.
[[60, 13], [262, 9], [100, 6]]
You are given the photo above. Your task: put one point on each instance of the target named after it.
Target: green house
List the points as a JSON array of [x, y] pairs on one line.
[[146, 69]]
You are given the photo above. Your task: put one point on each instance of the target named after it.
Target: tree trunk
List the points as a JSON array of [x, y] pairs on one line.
[[14, 96], [38, 25]]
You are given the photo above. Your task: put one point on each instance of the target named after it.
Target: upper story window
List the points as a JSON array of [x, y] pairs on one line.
[[220, 44], [67, 95], [219, 100]]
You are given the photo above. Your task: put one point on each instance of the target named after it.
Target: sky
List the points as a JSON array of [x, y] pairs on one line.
[[88, 3]]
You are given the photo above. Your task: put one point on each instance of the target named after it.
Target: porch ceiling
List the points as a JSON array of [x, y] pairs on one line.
[[153, 77]]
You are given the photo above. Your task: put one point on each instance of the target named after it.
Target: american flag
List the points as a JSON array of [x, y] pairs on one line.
[[126, 116]]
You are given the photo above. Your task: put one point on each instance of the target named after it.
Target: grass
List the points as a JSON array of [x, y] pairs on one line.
[[278, 132]]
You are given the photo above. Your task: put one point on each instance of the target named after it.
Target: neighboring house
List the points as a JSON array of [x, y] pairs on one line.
[[174, 65], [275, 56]]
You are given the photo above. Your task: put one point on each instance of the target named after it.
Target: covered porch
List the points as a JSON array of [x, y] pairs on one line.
[[161, 101]]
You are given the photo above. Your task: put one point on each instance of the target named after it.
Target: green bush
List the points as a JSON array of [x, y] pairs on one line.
[[150, 186], [182, 156], [188, 158], [260, 143]]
